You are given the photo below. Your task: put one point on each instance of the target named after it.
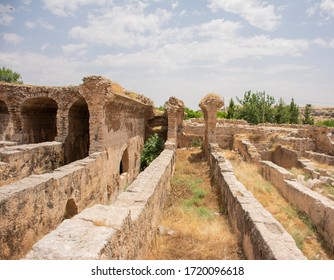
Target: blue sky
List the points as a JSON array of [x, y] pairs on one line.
[[176, 48]]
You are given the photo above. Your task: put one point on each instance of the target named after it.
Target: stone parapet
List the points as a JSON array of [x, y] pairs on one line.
[[261, 235], [123, 230]]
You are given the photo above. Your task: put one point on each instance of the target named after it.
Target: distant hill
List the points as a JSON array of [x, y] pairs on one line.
[[321, 113]]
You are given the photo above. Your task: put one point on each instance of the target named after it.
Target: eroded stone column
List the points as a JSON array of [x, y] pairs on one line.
[[210, 105], [175, 114]]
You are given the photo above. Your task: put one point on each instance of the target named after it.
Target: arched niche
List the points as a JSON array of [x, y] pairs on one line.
[[77, 140], [4, 120], [39, 120]]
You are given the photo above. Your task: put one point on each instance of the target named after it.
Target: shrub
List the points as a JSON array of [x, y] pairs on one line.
[[152, 149], [222, 115], [328, 123], [189, 114]]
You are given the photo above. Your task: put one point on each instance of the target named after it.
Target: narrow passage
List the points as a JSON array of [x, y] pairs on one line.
[[193, 226]]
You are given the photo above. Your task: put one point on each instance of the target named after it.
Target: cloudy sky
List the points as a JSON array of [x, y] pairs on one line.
[[182, 48]]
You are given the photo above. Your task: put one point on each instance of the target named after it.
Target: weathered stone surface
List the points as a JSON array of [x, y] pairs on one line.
[[210, 105], [122, 230], [101, 128], [285, 157], [319, 157], [24, 160], [320, 209], [175, 113], [246, 148], [261, 236]]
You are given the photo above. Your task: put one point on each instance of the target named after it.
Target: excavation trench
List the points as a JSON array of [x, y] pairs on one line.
[[193, 225]]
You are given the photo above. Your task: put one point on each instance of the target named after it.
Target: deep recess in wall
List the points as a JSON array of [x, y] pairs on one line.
[[77, 141], [39, 116]]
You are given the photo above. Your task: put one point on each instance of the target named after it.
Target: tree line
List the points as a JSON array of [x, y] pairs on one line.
[[259, 107]]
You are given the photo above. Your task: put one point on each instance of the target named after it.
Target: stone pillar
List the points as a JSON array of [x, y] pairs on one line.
[[210, 105], [175, 114]]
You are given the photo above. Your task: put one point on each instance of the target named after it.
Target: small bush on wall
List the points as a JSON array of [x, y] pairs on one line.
[[152, 149]]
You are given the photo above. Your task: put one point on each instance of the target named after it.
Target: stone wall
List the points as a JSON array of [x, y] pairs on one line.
[[123, 230], [321, 158], [102, 130], [33, 206], [246, 149], [18, 162], [285, 157], [317, 207], [261, 236]]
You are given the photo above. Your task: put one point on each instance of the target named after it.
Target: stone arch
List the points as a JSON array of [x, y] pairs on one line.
[[124, 164], [39, 119], [4, 120], [77, 140], [71, 209]]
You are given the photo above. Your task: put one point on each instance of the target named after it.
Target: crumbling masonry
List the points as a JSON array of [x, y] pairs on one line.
[[70, 181]]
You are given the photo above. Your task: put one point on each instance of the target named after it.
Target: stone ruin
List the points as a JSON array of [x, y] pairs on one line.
[[71, 186]]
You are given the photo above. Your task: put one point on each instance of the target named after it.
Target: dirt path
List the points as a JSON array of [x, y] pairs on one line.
[[192, 226]]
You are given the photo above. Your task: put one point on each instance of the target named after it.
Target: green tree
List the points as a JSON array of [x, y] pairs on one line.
[[231, 111], [189, 114], [256, 107], [281, 114], [307, 115], [221, 115], [293, 112], [9, 76]]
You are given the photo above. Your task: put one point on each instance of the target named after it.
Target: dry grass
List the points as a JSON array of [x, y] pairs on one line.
[[298, 225], [193, 212]]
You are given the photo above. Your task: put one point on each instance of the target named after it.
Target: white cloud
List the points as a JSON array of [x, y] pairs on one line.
[[325, 9], [45, 46], [66, 8], [12, 38], [175, 5], [43, 70], [124, 26], [5, 14], [30, 24], [219, 28], [257, 13], [26, 2], [323, 43], [39, 23], [211, 54], [75, 49], [283, 68]]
